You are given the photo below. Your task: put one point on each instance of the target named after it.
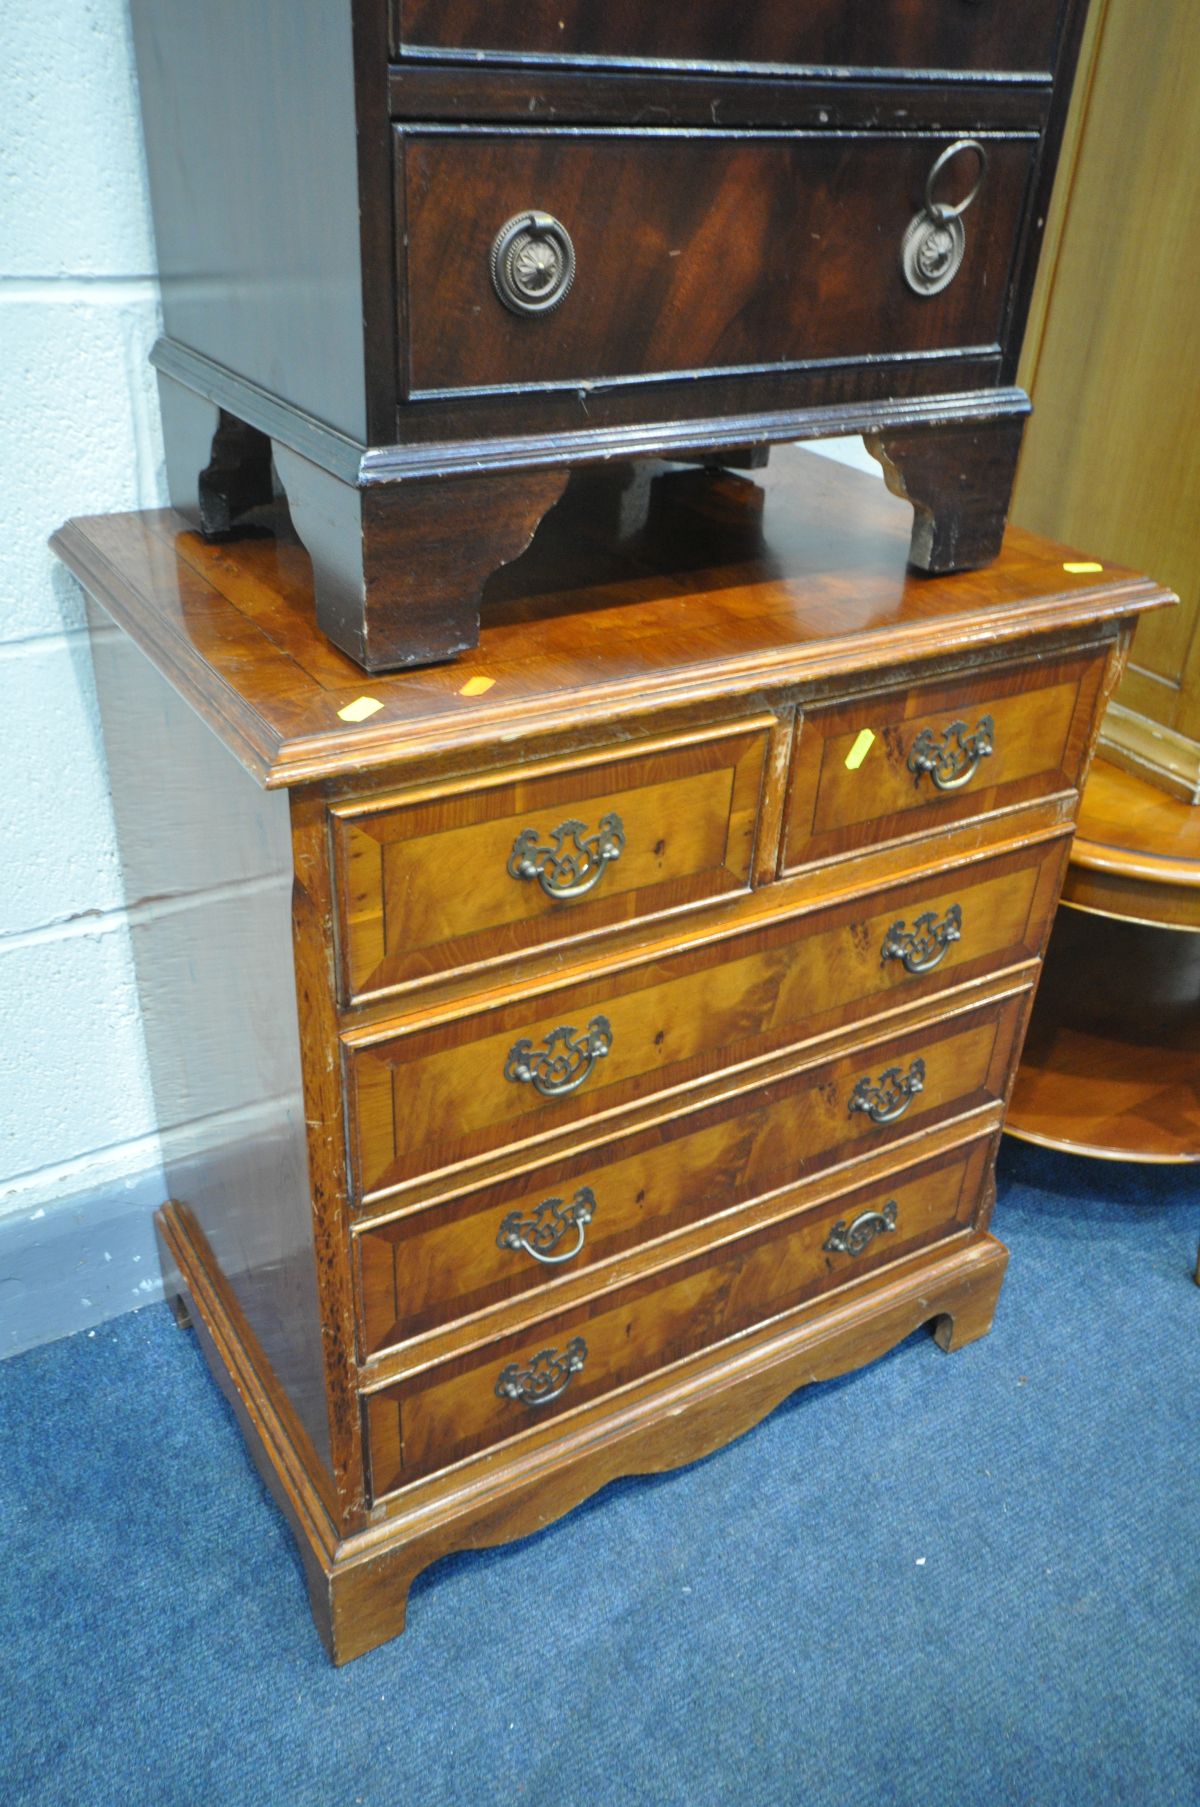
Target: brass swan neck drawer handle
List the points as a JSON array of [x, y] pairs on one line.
[[540, 1233], [547, 1377], [572, 862], [952, 758], [563, 1062], [926, 944], [859, 1236], [533, 262], [885, 1100], [935, 242]]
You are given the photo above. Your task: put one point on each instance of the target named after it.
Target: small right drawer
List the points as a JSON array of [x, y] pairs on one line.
[[907, 761]]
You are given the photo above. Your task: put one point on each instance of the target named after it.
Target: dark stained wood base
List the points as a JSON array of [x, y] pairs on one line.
[[399, 568], [218, 468], [959, 479], [400, 560], [358, 1586]]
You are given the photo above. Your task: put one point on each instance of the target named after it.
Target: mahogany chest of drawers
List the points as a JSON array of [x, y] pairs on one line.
[[421, 260], [568, 1053]]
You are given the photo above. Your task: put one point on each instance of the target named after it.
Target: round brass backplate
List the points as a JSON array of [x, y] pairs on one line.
[[932, 253], [533, 262]]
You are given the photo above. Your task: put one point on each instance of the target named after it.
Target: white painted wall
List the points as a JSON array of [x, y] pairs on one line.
[[78, 435]]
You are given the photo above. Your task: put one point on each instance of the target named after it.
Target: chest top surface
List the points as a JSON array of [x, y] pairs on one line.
[[649, 587]]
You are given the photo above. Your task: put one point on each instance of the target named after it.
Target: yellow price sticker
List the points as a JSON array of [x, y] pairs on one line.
[[1082, 567], [477, 686], [858, 752], [361, 709]]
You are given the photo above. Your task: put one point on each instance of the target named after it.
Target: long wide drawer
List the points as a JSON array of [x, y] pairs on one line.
[[692, 252], [457, 877], [1020, 35], [909, 761], [437, 1263], [486, 1396], [424, 1099]]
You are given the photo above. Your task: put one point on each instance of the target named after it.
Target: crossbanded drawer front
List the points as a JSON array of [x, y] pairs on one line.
[[692, 252], [459, 877], [429, 1098], [960, 35], [488, 1395], [906, 762], [442, 1262]]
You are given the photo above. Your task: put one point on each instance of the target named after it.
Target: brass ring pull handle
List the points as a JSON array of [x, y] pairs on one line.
[[572, 862], [952, 758], [885, 1100], [926, 944], [862, 1232], [533, 262], [547, 1377], [540, 1233], [935, 242], [564, 1061], [940, 210]]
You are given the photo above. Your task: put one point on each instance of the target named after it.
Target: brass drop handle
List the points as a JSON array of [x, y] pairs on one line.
[[941, 211], [935, 242], [540, 1233], [858, 1237], [564, 1060], [571, 862], [885, 1100], [926, 944], [953, 757], [547, 1377], [533, 262]]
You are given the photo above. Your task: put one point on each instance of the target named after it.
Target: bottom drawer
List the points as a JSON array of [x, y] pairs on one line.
[[488, 1395]]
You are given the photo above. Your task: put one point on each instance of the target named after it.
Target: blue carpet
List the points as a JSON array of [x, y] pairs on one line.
[[944, 1580]]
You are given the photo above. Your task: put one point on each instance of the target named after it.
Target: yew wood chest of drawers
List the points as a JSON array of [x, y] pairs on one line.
[[421, 260], [569, 1053]]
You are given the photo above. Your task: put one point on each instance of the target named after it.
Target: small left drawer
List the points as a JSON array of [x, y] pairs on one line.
[[477, 874]]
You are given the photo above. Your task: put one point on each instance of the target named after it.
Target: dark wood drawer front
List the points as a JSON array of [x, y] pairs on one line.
[[693, 252], [1017, 35], [454, 879], [424, 1100], [907, 762], [433, 1265], [480, 1398]]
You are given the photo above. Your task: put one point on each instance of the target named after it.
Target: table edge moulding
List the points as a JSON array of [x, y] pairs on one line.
[[569, 1053], [1111, 1067]]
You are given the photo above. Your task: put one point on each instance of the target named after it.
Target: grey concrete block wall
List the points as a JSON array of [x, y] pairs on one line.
[[79, 1147]]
